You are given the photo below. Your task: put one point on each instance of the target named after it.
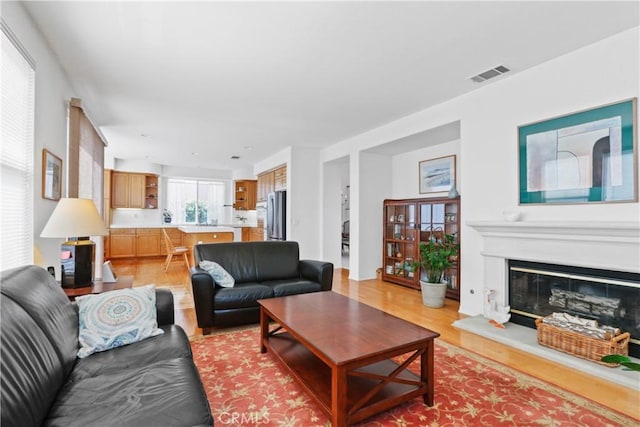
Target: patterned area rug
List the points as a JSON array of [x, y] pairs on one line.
[[247, 388]]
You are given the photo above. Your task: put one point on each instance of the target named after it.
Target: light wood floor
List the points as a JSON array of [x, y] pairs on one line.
[[406, 304]]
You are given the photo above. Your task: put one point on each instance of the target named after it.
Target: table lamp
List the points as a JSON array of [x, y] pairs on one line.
[[76, 220]]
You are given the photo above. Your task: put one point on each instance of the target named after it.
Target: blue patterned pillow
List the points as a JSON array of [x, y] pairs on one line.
[[218, 273], [116, 318]]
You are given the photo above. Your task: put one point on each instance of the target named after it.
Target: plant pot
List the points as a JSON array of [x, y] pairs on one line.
[[433, 294]]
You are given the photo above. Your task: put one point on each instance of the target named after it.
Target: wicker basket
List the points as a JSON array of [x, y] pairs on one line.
[[581, 345]]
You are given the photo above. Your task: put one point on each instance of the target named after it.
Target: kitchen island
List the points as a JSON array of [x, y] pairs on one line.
[[196, 234]]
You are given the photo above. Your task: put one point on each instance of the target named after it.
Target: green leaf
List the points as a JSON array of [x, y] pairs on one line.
[[615, 358], [631, 366]]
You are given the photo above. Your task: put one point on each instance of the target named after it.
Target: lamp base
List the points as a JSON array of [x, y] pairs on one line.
[[77, 262]]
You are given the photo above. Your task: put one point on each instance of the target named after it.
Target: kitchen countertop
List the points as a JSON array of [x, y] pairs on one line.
[[180, 226], [205, 229]]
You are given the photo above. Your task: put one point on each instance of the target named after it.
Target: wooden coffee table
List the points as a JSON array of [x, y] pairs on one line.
[[339, 350]]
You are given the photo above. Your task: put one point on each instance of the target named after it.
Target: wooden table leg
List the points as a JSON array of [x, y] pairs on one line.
[[338, 396], [264, 329], [426, 372]]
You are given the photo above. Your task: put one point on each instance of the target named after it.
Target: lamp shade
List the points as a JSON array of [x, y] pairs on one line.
[[74, 218]]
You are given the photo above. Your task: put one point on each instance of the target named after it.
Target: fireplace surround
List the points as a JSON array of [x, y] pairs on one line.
[[597, 248]]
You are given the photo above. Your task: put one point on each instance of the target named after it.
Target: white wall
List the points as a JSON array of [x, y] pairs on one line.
[[602, 73], [304, 201], [405, 170], [52, 94]]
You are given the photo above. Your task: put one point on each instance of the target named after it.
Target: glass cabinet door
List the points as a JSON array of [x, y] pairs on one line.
[[400, 240]]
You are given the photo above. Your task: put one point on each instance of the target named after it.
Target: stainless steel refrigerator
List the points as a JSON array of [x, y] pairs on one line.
[[277, 215]]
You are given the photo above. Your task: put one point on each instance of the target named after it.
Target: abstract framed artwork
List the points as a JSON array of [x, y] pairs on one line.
[[51, 175], [437, 175], [585, 157]]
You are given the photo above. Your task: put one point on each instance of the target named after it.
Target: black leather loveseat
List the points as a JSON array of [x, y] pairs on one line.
[[261, 270], [153, 382]]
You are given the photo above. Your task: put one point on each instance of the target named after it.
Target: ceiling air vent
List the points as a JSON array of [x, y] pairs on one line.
[[489, 74]]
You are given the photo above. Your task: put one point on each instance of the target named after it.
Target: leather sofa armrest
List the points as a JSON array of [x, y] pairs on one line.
[[203, 290], [164, 307], [317, 271]]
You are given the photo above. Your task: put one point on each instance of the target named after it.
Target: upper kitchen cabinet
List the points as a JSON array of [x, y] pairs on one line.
[[246, 195], [134, 190], [280, 179], [273, 180]]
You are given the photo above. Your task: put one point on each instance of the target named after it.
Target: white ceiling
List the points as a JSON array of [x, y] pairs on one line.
[[163, 80]]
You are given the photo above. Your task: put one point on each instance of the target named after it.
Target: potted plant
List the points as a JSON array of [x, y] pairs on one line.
[[436, 256]]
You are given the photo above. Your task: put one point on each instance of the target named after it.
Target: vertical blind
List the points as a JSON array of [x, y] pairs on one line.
[[16, 154]]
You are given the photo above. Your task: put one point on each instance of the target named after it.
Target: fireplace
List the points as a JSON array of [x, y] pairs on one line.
[[593, 249], [610, 297]]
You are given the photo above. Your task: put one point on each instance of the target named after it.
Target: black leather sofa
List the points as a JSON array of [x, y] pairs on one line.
[[153, 382], [261, 270]]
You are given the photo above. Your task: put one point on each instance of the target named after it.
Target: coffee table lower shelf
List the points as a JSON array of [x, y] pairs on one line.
[[316, 378]]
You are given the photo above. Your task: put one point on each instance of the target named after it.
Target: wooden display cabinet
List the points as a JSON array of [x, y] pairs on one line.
[[408, 222]]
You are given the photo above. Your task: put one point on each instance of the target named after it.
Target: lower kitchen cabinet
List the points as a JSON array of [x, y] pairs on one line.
[[140, 242], [122, 242], [148, 241], [252, 234]]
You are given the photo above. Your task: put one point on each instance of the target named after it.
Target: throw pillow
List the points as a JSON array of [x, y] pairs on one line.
[[219, 274], [116, 318]]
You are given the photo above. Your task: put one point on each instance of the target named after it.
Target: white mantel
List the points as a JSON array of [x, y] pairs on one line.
[[595, 244]]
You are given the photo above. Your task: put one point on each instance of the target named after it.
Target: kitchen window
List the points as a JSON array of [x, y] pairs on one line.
[[196, 201]]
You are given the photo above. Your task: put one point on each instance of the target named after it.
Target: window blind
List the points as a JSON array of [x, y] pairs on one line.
[[16, 154]]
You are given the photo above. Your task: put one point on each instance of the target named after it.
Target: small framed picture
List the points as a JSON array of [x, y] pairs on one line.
[[437, 175], [51, 175]]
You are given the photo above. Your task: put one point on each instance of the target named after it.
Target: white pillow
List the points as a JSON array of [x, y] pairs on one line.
[[116, 318], [219, 274]]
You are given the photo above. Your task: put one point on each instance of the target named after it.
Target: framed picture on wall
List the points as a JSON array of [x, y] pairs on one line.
[[437, 175], [584, 157], [51, 175]]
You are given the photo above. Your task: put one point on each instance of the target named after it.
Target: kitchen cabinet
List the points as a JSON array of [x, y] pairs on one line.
[[151, 191], [280, 179], [273, 180], [134, 190], [246, 195], [265, 185], [122, 242], [252, 234], [191, 239], [148, 241], [408, 222], [140, 242]]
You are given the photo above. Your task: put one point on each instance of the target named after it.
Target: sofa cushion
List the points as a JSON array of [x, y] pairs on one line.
[[162, 393], [276, 260], [170, 345], [219, 274], [241, 295], [116, 318], [282, 288]]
